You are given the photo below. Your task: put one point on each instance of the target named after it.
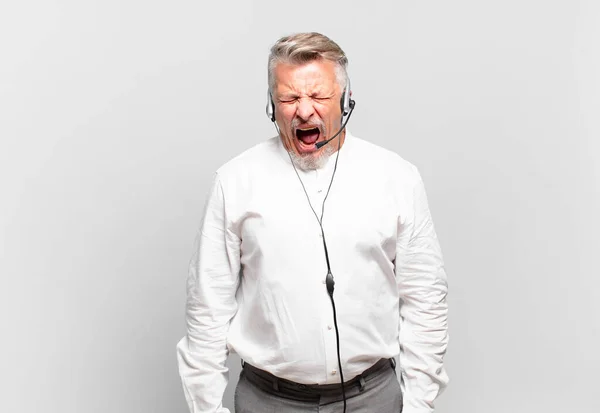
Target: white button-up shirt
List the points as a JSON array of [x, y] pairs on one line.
[[256, 283]]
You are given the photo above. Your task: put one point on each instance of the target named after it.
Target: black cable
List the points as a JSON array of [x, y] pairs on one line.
[[329, 278], [337, 339], [330, 286], [330, 283]]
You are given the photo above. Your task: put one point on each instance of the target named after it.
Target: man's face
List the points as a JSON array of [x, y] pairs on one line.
[[307, 106]]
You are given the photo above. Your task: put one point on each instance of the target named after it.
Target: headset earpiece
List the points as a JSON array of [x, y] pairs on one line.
[[270, 107], [346, 103]]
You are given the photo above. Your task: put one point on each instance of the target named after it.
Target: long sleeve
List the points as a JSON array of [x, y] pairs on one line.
[[422, 286], [212, 283]]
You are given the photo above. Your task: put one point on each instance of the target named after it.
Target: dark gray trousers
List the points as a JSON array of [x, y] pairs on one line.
[[261, 393]]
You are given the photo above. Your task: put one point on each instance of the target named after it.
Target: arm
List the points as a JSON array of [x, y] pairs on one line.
[[212, 283], [422, 287]]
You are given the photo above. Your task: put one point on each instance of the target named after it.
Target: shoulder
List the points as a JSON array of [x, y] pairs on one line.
[[383, 160], [249, 161]]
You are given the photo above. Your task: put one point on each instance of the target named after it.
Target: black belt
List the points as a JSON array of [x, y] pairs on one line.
[[299, 391]]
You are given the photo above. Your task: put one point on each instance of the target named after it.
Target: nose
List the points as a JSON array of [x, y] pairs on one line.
[[305, 109]]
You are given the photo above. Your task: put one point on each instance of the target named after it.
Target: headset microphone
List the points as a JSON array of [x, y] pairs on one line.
[[321, 144], [346, 106]]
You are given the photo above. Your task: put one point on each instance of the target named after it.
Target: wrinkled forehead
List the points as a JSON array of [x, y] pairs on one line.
[[304, 78]]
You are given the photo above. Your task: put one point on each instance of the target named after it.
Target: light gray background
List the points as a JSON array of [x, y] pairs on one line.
[[114, 115]]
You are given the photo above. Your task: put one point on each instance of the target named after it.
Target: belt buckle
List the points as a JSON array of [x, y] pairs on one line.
[[361, 383]]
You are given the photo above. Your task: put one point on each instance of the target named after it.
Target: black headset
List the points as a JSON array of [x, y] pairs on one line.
[[346, 104]]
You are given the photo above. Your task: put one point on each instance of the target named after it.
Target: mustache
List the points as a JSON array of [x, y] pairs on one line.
[[315, 123]]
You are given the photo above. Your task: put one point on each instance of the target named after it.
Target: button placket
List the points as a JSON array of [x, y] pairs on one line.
[[330, 343]]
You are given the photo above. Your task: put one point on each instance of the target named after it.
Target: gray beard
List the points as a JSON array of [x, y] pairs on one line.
[[310, 161]]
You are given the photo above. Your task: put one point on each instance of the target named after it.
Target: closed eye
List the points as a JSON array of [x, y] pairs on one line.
[[287, 99], [294, 99]]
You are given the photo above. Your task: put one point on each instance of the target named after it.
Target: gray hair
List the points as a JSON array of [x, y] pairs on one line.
[[303, 48]]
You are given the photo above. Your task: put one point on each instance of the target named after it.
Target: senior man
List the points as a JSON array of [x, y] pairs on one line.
[[317, 262]]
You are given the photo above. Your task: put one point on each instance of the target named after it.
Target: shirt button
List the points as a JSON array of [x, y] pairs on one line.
[[333, 372], [319, 190], [329, 328]]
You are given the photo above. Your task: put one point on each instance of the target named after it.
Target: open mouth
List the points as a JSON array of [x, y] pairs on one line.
[[308, 136]]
